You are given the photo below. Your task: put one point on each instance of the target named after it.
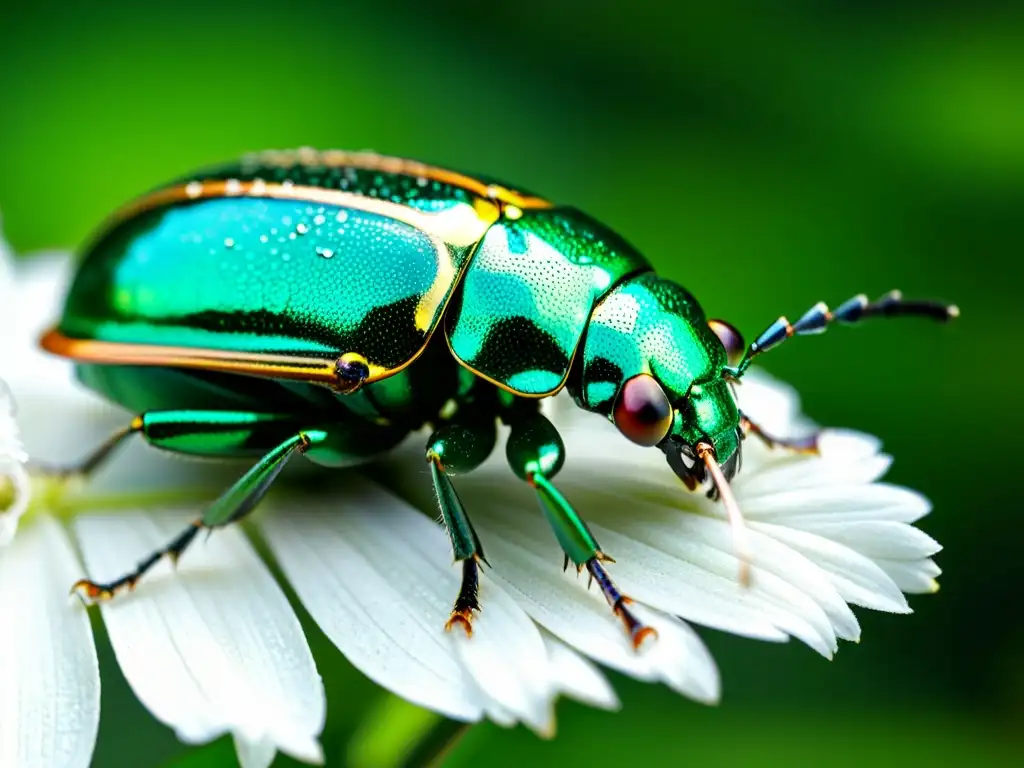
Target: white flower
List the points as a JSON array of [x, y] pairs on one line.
[[214, 647]]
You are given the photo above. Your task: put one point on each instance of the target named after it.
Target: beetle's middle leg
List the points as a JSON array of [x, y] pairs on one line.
[[535, 452], [458, 446], [204, 432]]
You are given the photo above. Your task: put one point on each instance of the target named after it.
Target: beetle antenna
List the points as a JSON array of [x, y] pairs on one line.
[[740, 541], [818, 317]]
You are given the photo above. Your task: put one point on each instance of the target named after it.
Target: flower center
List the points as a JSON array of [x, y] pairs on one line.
[[7, 493]]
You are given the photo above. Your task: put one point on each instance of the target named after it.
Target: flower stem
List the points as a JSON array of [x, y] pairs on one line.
[[437, 743], [395, 733]]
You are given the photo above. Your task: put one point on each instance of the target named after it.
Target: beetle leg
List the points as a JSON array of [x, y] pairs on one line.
[[92, 461], [818, 318], [238, 501], [461, 447], [202, 433], [807, 444], [535, 452]]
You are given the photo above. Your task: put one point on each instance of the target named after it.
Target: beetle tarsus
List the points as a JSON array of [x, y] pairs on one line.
[[93, 592], [467, 603], [638, 631]]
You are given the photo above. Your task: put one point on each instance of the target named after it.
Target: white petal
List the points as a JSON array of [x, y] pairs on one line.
[[771, 404], [577, 677], [582, 619], [914, 577], [879, 539], [377, 577], [49, 677], [680, 563], [255, 753], [215, 648], [845, 460], [837, 504], [66, 420], [859, 580], [789, 591], [506, 658], [13, 476]]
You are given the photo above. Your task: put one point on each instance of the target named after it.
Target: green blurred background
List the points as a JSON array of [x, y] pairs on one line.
[[766, 155]]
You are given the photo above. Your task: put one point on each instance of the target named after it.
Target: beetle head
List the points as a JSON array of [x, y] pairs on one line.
[[653, 365]]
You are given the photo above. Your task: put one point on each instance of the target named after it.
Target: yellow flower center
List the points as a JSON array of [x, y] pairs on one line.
[[6, 493]]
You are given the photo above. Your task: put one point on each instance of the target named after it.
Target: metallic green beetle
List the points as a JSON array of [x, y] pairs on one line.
[[294, 303]]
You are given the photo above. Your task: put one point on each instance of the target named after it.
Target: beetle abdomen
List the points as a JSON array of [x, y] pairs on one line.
[[528, 294], [251, 273]]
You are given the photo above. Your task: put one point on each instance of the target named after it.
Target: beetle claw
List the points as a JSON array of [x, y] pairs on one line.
[[467, 603], [91, 593]]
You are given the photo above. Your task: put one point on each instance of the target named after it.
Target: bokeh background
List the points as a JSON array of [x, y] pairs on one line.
[[766, 155]]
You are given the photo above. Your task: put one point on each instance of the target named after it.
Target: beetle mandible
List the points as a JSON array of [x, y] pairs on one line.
[[330, 303]]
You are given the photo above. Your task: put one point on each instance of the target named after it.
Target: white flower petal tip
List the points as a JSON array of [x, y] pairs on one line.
[[379, 582], [50, 697], [214, 648], [505, 658], [578, 678]]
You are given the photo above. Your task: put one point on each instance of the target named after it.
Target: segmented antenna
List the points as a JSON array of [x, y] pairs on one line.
[[818, 318]]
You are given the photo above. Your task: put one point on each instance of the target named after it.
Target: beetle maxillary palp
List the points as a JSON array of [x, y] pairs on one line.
[[741, 543]]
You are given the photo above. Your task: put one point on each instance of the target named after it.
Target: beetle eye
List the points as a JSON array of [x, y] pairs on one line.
[[642, 411], [731, 339]]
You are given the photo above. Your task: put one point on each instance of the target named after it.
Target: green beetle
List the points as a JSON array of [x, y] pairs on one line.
[[329, 303]]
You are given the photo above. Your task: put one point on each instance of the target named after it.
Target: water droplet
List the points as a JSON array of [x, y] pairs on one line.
[[422, 181], [258, 187], [342, 217], [229, 242], [287, 183], [264, 239], [319, 219], [193, 189], [302, 228], [292, 235], [326, 253], [232, 187]]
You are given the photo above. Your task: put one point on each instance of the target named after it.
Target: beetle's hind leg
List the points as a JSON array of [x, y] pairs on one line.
[[237, 502], [92, 461], [460, 446], [535, 452]]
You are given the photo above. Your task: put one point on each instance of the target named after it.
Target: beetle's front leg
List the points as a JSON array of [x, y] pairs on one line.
[[535, 452], [455, 447]]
